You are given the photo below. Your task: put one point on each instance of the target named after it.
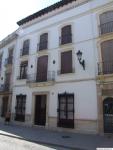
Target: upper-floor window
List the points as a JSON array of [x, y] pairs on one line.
[[66, 35], [106, 66], [66, 62], [0, 62], [23, 70], [25, 50], [9, 60], [106, 22], [43, 41]]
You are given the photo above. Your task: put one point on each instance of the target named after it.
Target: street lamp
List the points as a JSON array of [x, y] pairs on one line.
[[81, 61]]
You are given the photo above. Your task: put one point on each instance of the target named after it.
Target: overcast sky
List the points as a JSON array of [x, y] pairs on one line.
[[12, 11]]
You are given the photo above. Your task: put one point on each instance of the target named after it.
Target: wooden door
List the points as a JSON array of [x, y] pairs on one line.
[[40, 110], [42, 66], [66, 110], [4, 106]]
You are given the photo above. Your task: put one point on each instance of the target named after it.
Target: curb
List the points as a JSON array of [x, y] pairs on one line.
[[42, 142]]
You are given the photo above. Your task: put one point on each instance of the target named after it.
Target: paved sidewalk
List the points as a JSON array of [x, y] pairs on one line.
[[64, 139]]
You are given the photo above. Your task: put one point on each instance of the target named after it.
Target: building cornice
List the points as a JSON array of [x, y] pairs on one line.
[[8, 39], [73, 4]]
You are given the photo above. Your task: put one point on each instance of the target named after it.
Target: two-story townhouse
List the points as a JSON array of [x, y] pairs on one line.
[[7, 50], [63, 67]]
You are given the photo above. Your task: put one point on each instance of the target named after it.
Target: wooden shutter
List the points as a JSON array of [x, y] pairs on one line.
[[23, 70], [107, 56], [66, 62], [43, 41], [42, 66], [106, 17], [66, 35]]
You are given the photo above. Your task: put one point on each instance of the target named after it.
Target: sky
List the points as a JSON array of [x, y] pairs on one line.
[[12, 11]]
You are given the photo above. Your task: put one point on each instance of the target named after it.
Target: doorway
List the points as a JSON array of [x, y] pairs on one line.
[[40, 110], [4, 106], [66, 110], [108, 115]]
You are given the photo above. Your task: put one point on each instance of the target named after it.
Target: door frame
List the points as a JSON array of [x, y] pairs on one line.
[[47, 107]]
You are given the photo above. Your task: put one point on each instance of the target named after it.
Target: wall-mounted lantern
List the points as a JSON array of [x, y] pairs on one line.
[[81, 61]]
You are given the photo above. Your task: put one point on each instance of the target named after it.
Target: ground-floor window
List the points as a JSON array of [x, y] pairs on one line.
[[66, 110], [20, 108], [108, 115]]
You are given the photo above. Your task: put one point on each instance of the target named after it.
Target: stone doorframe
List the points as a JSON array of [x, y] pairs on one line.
[[47, 106], [103, 91]]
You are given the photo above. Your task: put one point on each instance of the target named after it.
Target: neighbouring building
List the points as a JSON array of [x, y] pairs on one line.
[[61, 74]]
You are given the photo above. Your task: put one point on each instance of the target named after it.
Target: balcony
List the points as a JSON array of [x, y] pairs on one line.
[[24, 52], [8, 61], [42, 46], [42, 78], [106, 28], [5, 87], [105, 68], [65, 39]]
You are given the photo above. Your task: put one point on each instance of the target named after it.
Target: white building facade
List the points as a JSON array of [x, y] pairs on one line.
[[55, 78]]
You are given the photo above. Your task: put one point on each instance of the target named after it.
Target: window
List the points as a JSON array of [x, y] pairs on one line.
[[23, 70], [66, 35], [66, 110], [106, 22], [43, 41], [0, 62], [42, 66], [66, 62], [107, 56], [9, 60], [25, 50], [20, 108]]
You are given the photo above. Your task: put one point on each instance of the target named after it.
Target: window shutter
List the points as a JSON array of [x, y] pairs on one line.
[[43, 41], [66, 35], [66, 62], [26, 45]]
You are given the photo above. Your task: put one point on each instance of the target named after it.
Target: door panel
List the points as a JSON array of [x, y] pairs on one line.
[[66, 111], [4, 106], [42, 67], [40, 110]]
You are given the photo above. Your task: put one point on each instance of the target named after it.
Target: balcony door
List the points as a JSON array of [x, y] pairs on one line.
[[107, 56], [42, 67]]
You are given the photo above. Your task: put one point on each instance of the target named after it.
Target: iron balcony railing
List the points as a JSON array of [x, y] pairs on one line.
[[42, 46], [5, 87], [9, 61], [41, 77], [105, 67], [106, 28], [65, 39], [24, 51]]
